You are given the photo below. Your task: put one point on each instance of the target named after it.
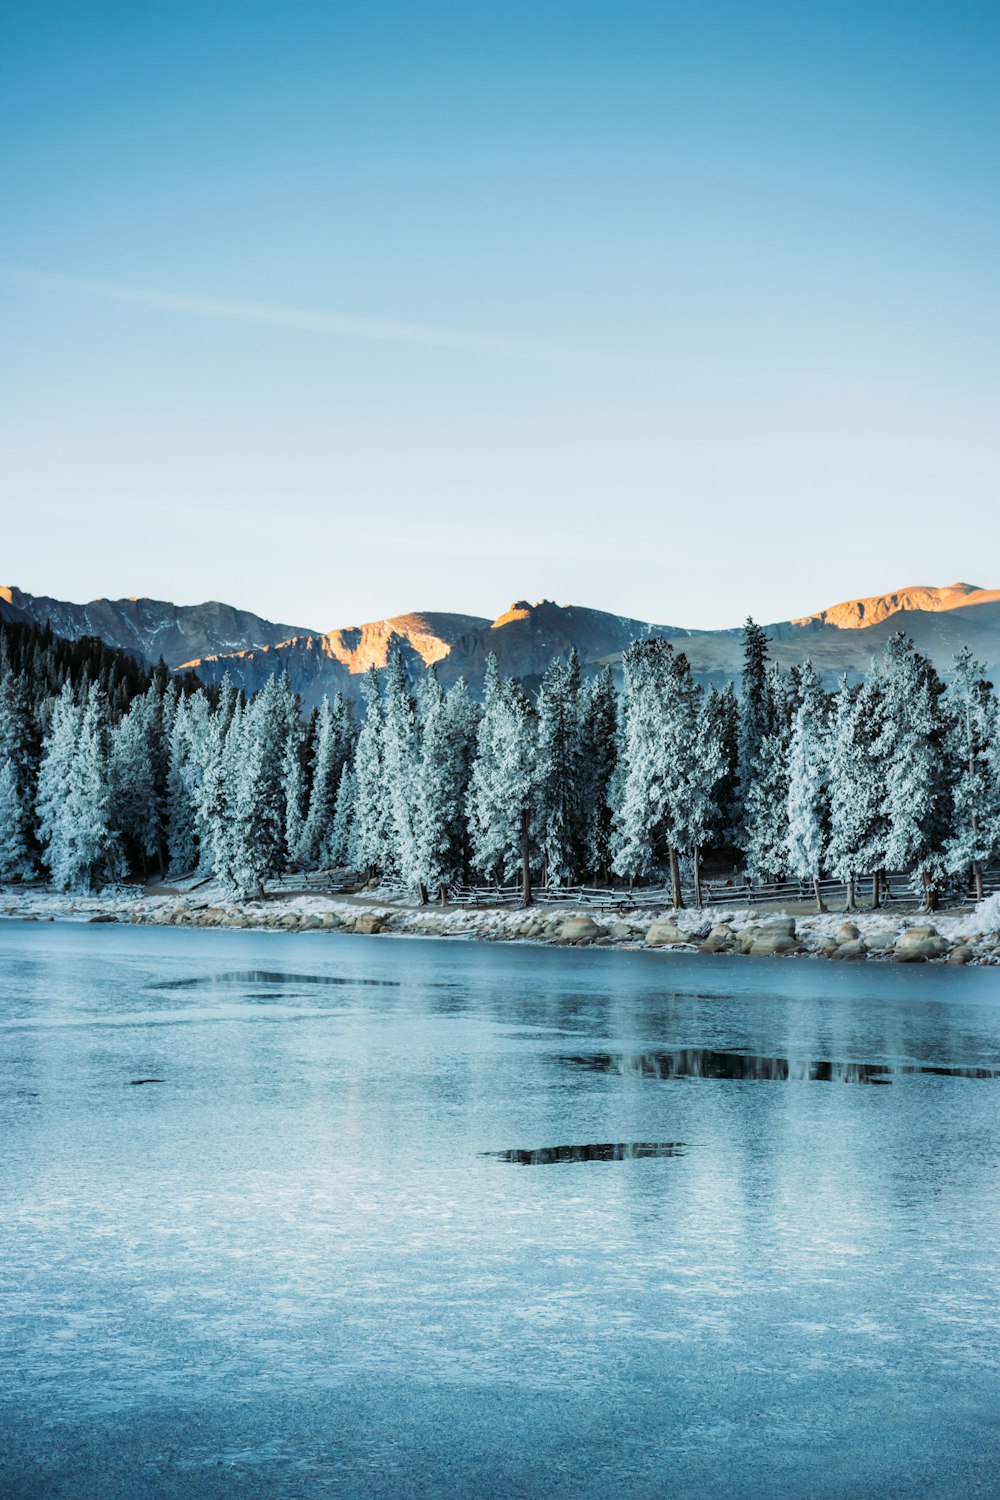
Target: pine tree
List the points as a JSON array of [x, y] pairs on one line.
[[713, 776], [640, 825], [448, 724], [598, 760], [918, 797], [401, 755], [371, 835], [858, 821], [58, 754], [501, 797], [134, 801], [808, 803], [974, 840], [331, 752], [559, 773], [18, 773], [765, 796]]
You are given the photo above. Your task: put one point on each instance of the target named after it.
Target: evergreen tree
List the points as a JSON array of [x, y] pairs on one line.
[[918, 796], [974, 840], [598, 761], [559, 772], [501, 789], [765, 799], [332, 748], [808, 806], [401, 756], [640, 831], [371, 834], [18, 772], [858, 822]]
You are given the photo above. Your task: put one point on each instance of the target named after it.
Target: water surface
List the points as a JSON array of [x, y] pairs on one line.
[[297, 1215]]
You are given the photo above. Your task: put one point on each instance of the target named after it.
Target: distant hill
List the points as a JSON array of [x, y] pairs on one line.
[[214, 638]]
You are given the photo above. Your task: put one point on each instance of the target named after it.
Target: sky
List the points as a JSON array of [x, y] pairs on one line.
[[334, 311]]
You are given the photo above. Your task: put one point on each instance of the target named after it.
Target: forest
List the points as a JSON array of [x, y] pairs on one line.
[[109, 772]]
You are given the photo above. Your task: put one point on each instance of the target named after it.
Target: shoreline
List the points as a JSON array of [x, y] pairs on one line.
[[957, 938]]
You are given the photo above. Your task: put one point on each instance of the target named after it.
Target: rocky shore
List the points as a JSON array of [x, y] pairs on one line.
[[959, 938]]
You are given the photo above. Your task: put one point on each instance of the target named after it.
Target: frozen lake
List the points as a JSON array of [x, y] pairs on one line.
[[414, 1218]]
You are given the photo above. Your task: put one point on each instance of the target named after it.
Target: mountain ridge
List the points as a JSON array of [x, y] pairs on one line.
[[213, 638]]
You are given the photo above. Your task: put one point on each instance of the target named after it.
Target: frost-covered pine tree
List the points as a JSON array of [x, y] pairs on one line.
[[598, 760], [858, 821], [58, 751], [15, 856], [401, 760], [684, 812], [974, 839], [371, 840], [765, 795], [559, 772], [338, 846], [808, 783], [501, 796], [755, 710], [134, 794], [714, 771], [185, 766], [80, 846], [332, 749], [917, 790], [210, 806], [640, 833], [18, 770], [446, 744]]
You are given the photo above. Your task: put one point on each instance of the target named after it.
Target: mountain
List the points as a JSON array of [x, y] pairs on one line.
[[524, 639], [213, 638], [150, 628]]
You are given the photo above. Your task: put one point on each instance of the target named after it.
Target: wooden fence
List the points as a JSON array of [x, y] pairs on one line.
[[896, 891]]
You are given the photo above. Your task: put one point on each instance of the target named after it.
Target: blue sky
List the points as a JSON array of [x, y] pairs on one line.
[[338, 310]]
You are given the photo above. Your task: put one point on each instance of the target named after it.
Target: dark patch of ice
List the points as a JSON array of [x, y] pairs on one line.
[[704, 1062], [134, 1081], [268, 976], [547, 1156]]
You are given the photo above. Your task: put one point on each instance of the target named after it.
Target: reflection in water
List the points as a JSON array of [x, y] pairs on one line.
[[546, 1156], [267, 976], [703, 1062]]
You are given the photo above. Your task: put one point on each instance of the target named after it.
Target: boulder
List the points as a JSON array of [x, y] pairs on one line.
[[328, 920], [928, 947], [102, 916], [717, 943], [289, 920], [663, 933], [854, 948], [960, 955], [578, 930], [369, 923], [908, 955], [770, 945], [848, 932], [777, 924]]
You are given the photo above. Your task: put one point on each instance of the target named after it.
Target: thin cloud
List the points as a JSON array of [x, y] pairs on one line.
[[302, 319]]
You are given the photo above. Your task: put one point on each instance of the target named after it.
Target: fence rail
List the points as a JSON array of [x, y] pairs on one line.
[[896, 890]]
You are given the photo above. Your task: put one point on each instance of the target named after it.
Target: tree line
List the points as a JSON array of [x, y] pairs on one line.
[[109, 771]]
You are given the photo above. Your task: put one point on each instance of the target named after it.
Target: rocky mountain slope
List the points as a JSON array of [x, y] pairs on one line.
[[215, 638], [151, 628]]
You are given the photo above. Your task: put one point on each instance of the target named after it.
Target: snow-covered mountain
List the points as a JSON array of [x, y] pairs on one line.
[[214, 638]]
